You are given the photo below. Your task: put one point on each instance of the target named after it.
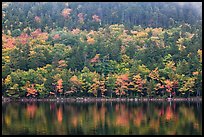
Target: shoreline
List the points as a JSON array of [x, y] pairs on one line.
[[81, 99]]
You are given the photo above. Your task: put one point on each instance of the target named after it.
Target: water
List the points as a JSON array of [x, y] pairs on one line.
[[138, 118]]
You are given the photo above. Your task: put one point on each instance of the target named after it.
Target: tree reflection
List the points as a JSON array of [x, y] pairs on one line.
[[102, 118], [59, 115], [31, 110], [168, 113]]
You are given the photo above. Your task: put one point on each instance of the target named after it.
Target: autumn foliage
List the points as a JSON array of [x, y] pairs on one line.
[[56, 36], [8, 42], [95, 59], [90, 40], [122, 84], [84, 53], [96, 18], [66, 12], [31, 91], [74, 80], [59, 86], [138, 83], [39, 35], [23, 38], [169, 85]]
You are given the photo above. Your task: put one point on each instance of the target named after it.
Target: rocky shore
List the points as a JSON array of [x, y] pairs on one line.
[[84, 99]]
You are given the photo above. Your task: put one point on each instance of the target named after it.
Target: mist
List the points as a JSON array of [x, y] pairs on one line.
[[197, 6]]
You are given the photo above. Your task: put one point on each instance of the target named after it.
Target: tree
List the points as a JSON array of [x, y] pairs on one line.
[[110, 83], [75, 85], [138, 83], [187, 86], [121, 84]]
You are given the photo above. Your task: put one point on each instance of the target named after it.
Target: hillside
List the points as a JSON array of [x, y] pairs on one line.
[[101, 50]]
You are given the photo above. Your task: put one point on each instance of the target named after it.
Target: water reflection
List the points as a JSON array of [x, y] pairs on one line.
[[31, 110], [102, 118]]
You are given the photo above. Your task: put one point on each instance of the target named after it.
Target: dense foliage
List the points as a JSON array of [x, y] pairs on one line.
[[112, 61], [91, 15]]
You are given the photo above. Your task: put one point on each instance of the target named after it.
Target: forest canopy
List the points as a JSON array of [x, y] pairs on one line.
[[105, 49], [92, 15]]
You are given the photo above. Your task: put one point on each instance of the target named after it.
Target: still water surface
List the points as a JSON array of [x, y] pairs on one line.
[[138, 118]]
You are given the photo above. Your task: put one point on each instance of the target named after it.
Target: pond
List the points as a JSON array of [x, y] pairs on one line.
[[100, 118]]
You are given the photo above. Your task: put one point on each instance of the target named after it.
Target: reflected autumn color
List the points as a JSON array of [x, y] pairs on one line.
[[138, 118], [74, 121], [168, 113], [59, 115], [103, 118], [52, 106], [31, 110]]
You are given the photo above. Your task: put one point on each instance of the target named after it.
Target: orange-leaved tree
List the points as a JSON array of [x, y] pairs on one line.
[[8, 42], [137, 84], [31, 91], [122, 83], [75, 85], [90, 40], [66, 12], [168, 86], [59, 86]]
